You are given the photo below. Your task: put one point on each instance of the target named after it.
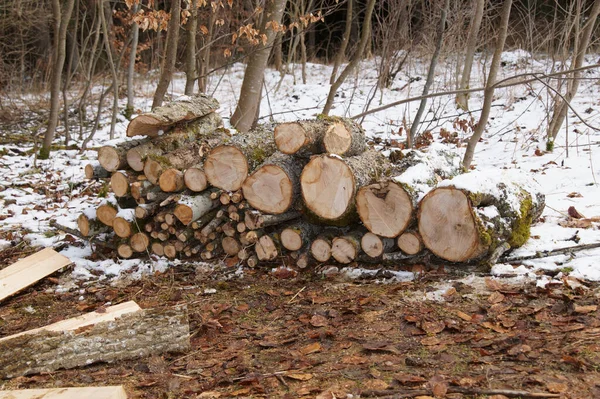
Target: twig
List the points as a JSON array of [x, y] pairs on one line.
[[78, 234], [553, 252], [297, 293], [409, 393]]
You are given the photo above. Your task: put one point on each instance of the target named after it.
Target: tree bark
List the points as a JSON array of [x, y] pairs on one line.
[[111, 62], [168, 64], [190, 54], [345, 40], [489, 90], [248, 106], [135, 34], [430, 74], [59, 45], [462, 100]]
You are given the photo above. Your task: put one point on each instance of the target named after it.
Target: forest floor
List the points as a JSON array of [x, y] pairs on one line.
[[332, 332], [281, 335]]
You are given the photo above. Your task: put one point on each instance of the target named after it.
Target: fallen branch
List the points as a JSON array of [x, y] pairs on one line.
[[77, 233], [553, 252], [410, 393]]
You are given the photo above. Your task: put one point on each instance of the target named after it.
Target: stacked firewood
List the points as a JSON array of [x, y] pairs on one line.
[[309, 190]]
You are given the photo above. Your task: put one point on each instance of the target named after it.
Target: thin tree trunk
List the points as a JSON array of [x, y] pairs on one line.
[[345, 39], [69, 75], [430, 74], [190, 56], [135, 33], [113, 71], [583, 41], [462, 100], [364, 38], [88, 73], [278, 53], [168, 64], [247, 108], [61, 22], [489, 90], [205, 58]]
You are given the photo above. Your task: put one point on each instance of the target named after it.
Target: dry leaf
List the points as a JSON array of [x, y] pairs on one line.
[[240, 392], [408, 378], [318, 321], [574, 195], [557, 387], [438, 386], [433, 327], [585, 309], [210, 394], [354, 360], [311, 348], [430, 341], [326, 395], [519, 349], [496, 297], [492, 284], [299, 376], [574, 213], [463, 315]]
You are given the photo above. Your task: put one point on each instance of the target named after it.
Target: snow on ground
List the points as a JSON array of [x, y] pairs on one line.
[[55, 190]]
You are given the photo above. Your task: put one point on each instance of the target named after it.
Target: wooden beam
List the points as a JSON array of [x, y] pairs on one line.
[[111, 392], [106, 314], [30, 270]]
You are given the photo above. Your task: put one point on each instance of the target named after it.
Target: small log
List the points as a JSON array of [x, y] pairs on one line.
[[225, 198], [252, 237], [346, 248], [385, 208], [240, 227], [171, 181], [95, 171], [375, 246], [211, 226], [320, 247], [131, 336], [170, 250], [468, 217], [108, 392], [139, 242], [329, 184], [195, 179], [410, 242], [113, 158], [231, 246], [227, 165], [331, 135], [89, 225], [140, 189], [185, 235], [158, 248], [266, 248], [297, 235], [144, 211], [255, 220], [205, 129], [191, 208], [228, 229], [106, 213], [180, 159], [252, 261], [237, 197], [120, 183], [125, 251], [123, 223], [244, 254], [275, 185]]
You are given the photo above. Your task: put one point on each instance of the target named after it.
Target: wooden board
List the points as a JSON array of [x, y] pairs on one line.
[[108, 314], [111, 392], [30, 270]]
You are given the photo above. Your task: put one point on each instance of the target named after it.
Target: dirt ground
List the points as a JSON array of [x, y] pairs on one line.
[[281, 335]]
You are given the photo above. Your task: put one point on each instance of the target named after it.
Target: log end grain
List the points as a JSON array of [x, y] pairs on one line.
[[122, 227], [139, 242], [410, 243], [226, 167], [106, 214], [125, 251], [171, 181], [152, 170], [269, 189], [266, 248], [144, 125], [290, 137], [372, 245], [343, 250], [384, 208], [337, 139], [291, 239], [109, 158], [321, 250], [119, 183], [195, 179]]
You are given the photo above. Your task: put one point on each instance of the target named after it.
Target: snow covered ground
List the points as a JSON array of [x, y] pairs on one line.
[[513, 143]]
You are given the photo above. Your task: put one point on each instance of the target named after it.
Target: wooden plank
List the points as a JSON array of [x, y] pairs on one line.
[[111, 392], [30, 270], [108, 314]]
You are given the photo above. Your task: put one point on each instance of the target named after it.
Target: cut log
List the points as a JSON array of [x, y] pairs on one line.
[[375, 246], [231, 246], [346, 248], [194, 178], [320, 247], [171, 181], [108, 392], [89, 225], [204, 130], [410, 242], [266, 248], [121, 181], [468, 217], [133, 335], [95, 171], [140, 189], [106, 213], [161, 119], [29, 270], [180, 159], [123, 223], [170, 250], [252, 261], [329, 184], [158, 248], [191, 208], [146, 210], [297, 235], [275, 185], [255, 220], [125, 251], [139, 242], [331, 135], [303, 260], [113, 158], [227, 165], [385, 208]]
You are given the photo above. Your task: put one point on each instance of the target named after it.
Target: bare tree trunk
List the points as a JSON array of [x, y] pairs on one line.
[[69, 75], [489, 89], [345, 39], [462, 100], [364, 38], [113, 71], [582, 42], [168, 64], [278, 53], [247, 108], [205, 58], [135, 33], [61, 22], [430, 74], [190, 55]]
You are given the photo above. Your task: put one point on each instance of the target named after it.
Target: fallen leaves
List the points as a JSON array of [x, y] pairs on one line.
[[311, 348], [585, 309]]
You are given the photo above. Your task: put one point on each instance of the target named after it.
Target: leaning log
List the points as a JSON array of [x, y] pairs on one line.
[[468, 217], [227, 165], [133, 335], [330, 135], [161, 119], [329, 184], [274, 187]]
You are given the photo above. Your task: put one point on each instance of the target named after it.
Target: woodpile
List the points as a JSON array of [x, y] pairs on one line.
[[311, 191]]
